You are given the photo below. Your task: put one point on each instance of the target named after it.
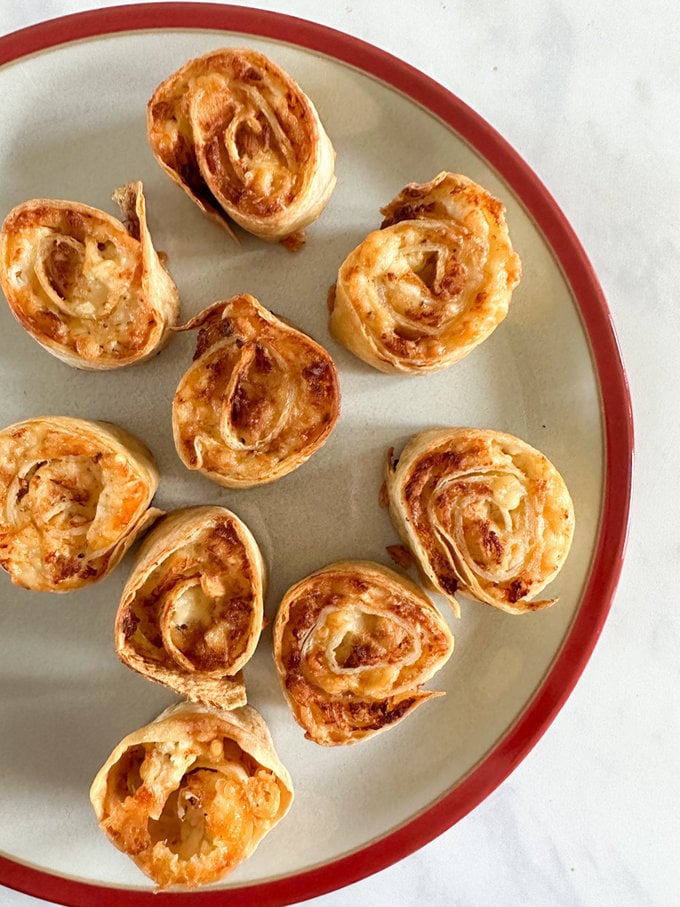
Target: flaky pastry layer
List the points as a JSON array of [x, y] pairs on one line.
[[423, 291], [90, 289], [244, 142], [190, 796], [353, 644], [191, 612], [259, 399], [483, 512], [74, 495]]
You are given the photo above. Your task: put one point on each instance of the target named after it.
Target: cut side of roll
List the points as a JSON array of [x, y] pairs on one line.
[[191, 612], [190, 796], [244, 142], [74, 495], [482, 512], [259, 399], [353, 644], [88, 288], [423, 291]]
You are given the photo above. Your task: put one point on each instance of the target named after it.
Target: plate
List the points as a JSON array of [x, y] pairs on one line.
[[75, 94]]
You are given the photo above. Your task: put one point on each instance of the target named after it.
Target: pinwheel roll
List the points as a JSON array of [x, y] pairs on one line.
[[481, 511], [429, 286], [245, 142], [191, 613], [88, 288], [190, 796], [259, 399], [74, 495], [353, 643]]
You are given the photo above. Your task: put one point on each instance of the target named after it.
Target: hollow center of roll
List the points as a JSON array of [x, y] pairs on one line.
[[362, 639], [63, 494], [83, 279], [258, 398], [204, 626]]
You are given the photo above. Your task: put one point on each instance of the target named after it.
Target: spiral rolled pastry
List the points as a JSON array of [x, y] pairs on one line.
[[481, 511], [190, 796], [88, 288], [429, 286], [353, 643], [191, 613], [259, 399], [244, 142], [74, 495]]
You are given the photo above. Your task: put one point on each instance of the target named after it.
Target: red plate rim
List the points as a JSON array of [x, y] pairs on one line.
[[618, 424]]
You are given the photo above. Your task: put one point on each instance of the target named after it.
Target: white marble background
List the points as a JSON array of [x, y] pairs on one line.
[[587, 92]]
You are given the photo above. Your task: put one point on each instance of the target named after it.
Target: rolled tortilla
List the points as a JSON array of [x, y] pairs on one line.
[[244, 142], [90, 289], [483, 512], [191, 612], [353, 644], [259, 399], [74, 495], [429, 286], [190, 796]]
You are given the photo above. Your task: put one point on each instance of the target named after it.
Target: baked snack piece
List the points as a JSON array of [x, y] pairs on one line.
[[353, 643], [244, 142], [191, 613], [90, 289], [74, 495], [259, 399], [190, 796], [482, 512], [429, 286]]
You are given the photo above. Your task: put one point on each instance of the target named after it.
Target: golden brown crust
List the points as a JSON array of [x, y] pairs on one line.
[[245, 143], [482, 512], [74, 495], [429, 286], [260, 398], [90, 289], [190, 796], [191, 612], [353, 644]]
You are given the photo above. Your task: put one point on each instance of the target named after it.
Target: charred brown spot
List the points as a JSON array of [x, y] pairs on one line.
[[211, 333], [401, 555], [225, 531], [163, 110], [129, 624], [442, 462], [63, 568], [318, 377], [362, 655], [516, 590], [406, 212], [448, 583], [330, 298], [294, 241], [263, 360], [493, 546]]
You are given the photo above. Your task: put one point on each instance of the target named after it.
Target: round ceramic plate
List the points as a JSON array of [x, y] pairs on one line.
[[74, 99]]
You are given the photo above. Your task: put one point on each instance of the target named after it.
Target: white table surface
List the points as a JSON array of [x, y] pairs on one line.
[[587, 92]]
